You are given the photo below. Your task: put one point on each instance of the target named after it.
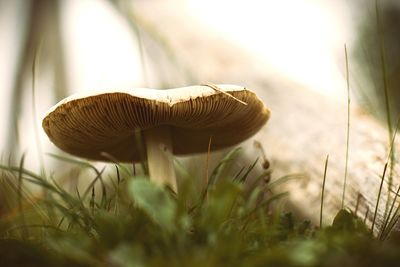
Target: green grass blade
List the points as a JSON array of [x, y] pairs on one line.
[[323, 191], [23, 222], [379, 197], [249, 169], [72, 160], [389, 215], [348, 127], [223, 164]]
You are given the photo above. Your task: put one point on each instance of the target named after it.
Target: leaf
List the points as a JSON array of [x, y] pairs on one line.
[[223, 164], [346, 221], [343, 221], [155, 201], [220, 203]]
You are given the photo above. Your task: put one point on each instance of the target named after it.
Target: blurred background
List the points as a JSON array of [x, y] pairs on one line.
[[97, 44]]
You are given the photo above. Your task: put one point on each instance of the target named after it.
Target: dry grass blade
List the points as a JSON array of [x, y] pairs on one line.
[[379, 197], [323, 191], [389, 217], [207, 162], [348, 127], [389, 214], [23, 222], [388, 161], [392, 223], [216, 88]]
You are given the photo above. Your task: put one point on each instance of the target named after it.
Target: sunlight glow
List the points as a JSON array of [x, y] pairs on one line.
[[101, 52], [300, 38]]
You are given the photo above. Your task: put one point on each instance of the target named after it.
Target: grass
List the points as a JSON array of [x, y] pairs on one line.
[[125, 220], [323, 191], [348, 127], [122, 219]]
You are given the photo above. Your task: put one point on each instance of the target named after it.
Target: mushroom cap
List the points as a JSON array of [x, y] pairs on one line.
[[86, 125]]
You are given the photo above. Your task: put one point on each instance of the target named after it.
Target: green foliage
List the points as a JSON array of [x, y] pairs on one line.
[[347, 222], [155, 202], [134, 222]]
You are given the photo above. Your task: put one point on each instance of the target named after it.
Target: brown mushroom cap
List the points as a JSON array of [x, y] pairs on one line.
[[86, 125]]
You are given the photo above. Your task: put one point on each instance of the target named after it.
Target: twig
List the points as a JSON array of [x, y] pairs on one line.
[[216, 88]]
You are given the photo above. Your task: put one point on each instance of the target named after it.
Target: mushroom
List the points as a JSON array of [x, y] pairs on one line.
[[174, 121]]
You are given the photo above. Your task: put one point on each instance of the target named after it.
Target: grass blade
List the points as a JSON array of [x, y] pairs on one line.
[[379, 197], [323, 191], [249, 169], [222, 164], [389, 215], [23, 222], [348, 127], [81, 163]]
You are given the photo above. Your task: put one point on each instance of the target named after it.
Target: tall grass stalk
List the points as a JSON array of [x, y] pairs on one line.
[[379, 197], [24, 232], [388, 161], [207, 162], [348, 126], [392, 222], [323, 191], [389, 214], [383, 231]]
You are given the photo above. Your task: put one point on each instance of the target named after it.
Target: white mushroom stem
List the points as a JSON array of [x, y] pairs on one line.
[[159, 156]]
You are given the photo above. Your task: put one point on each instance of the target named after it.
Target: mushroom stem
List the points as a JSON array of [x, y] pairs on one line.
[[159, 156]]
